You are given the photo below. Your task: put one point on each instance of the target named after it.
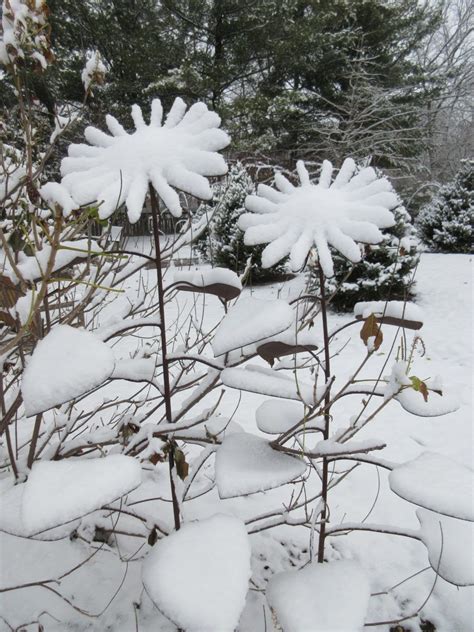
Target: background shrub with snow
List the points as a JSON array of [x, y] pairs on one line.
[[446, 224], [222, 242]]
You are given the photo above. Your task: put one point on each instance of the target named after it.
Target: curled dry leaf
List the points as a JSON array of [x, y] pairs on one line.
[[371, 329]]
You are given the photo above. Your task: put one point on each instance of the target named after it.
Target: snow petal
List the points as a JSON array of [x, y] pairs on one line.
[[324, 255], [156, 113], [279, 248], [98, 138], [345, 174], [115, 128], [137, 116], [344, 244], [326, 174], [273, 195], [262, 233], [189, 182], [300, 251], [112, 197], [176, 113], [167, 194], [79, 150], [210, 139], [283, 183], [136, 198], [258, 204], [55, 194], [302, 172], [246, 464]]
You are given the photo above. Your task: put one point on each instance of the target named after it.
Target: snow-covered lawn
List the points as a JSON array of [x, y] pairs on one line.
[[109, 584]]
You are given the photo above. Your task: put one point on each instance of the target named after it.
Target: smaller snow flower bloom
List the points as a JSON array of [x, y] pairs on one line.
[[292, 219], [94, 71], [118, 168]]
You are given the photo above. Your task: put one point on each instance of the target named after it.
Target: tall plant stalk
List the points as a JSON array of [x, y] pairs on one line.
[[155, 213], [327, 416]]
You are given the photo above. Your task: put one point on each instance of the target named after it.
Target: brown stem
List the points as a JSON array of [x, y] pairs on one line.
[[327, 416], [166, 376], [34, 440]]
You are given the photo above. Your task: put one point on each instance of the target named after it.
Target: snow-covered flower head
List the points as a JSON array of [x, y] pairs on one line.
[[351, 208], [94, 71], [118, 168]]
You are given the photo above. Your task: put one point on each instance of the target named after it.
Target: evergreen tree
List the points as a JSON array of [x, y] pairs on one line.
[[385, 272], [446, 223], [222, 244]]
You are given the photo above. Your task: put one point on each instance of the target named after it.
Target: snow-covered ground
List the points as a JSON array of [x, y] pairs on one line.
[[109, 585]]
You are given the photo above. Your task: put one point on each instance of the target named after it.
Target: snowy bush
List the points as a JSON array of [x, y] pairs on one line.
[[446, 224], [385, 272], [222, 243]]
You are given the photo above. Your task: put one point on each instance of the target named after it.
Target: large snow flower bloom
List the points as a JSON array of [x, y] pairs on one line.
[[351, 208], [118, 168]]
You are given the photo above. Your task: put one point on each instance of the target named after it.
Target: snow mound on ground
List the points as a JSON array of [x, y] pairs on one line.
[[58, 492], [251, 320], [436, 482], [320, 598], [246, 464], [198, 576], [450, 543], [67, 363]]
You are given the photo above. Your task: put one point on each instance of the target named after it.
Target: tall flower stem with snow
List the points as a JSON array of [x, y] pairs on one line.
[[327, 416], [155, 213]]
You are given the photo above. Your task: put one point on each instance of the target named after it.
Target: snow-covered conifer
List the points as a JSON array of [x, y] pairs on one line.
[[446, 223], [222, 244], [385, 271]]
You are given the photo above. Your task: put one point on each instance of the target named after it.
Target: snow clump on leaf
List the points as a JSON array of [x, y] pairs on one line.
[[118, 168], [291, 219]]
